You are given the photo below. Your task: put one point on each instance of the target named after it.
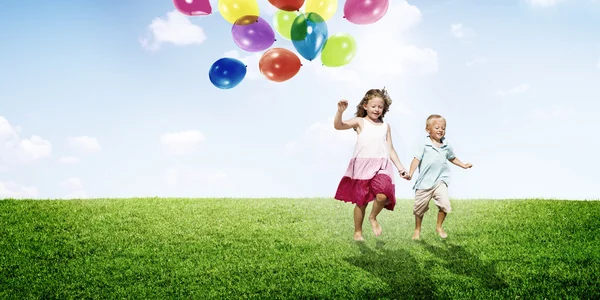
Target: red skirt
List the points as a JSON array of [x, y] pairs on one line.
[[363, 191]]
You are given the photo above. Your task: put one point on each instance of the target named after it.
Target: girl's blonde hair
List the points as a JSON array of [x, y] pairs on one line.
[[370, 94]]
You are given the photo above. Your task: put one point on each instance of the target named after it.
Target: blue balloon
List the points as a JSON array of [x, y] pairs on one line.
[[226, 73], [309, 34]]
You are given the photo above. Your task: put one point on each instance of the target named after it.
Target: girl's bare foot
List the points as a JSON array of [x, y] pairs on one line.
[[441, 232], [416, 235], [376, 227], [358, 237]]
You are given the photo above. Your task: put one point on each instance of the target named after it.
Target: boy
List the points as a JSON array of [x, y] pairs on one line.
[[434, 174]]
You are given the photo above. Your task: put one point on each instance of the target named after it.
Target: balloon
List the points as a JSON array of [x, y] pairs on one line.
[[309, 33], [339, 50], [325, 8], [282, 22], [193, 7], [365, 11], [231, 10], [252, 33], [287, 5], [226, 73], [279, 64]]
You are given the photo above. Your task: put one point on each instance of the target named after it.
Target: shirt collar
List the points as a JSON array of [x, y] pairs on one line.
[[429, 143]]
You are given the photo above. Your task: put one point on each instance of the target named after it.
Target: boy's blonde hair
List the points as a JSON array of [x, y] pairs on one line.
[[433, 117]]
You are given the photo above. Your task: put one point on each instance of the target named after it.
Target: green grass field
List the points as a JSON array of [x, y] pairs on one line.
[[295, 248]]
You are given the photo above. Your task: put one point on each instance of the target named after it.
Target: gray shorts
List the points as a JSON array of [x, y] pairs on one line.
[[439, 193]]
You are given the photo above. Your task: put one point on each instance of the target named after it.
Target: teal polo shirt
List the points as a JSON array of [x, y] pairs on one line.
[[433, 164]]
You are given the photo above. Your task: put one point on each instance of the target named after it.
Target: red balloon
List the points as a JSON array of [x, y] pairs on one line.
[[287, 5], [279, 64]]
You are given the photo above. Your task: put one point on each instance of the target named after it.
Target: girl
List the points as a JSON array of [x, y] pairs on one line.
[[370, 175]]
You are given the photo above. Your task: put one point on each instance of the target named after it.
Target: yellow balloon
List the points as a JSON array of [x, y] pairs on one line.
[[324, 8], [232, 10]]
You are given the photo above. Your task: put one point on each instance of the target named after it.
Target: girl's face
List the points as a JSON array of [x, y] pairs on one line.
[[374, 108]]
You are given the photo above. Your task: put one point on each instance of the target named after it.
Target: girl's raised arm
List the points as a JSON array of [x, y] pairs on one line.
[[347, 124]]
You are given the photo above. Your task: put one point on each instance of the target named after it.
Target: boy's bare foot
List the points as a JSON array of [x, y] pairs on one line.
[[416, 235], [358, 237], [441, 232], [376, 227]]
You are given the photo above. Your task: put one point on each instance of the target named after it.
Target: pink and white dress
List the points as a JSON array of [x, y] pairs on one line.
[[370, 171]]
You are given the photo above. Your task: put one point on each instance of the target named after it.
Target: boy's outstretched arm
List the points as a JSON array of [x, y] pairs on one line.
[[461, 164], [413, 166]]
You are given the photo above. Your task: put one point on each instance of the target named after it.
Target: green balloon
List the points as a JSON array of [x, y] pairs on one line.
[[339, 50], [282, 22], [301, 25]]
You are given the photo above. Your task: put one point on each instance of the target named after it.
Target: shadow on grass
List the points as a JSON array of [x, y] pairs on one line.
[[459, 261], [402, 276], [405, 277]]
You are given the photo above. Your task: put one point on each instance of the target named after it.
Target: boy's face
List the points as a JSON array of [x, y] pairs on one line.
[[374, 108], [436, 129]]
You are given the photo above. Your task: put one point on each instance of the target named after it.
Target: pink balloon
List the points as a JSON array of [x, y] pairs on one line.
[[364, 12], [193, 7]]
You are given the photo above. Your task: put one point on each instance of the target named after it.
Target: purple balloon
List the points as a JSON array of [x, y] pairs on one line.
[[252, 33], [365, 11]]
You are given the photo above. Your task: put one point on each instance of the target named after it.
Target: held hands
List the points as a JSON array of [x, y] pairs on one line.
[[404, 174], [342, 105]]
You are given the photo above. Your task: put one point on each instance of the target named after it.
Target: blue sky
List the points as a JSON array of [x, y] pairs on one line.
[[96, 101]]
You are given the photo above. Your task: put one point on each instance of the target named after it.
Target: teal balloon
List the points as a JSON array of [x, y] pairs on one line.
[[227, 73], [308, 34]]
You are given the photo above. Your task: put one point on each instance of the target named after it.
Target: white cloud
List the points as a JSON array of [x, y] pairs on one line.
[[183, 142], [382, 50], [400, 17], [85, 144], [555, 112], [69, 160], [515, 90], [11, 189], [334, 74], [176, 29], [462, 32], [393, 58], [13, 149], [35, 148], [251, 61], [400, 108], [598, 63], [321, 140], [190, 176], [3, 169], [73, 188], [543, 3], [242, 182], [476, 60], [71, 183]]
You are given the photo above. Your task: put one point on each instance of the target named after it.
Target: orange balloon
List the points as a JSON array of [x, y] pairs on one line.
[[279, 64]]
